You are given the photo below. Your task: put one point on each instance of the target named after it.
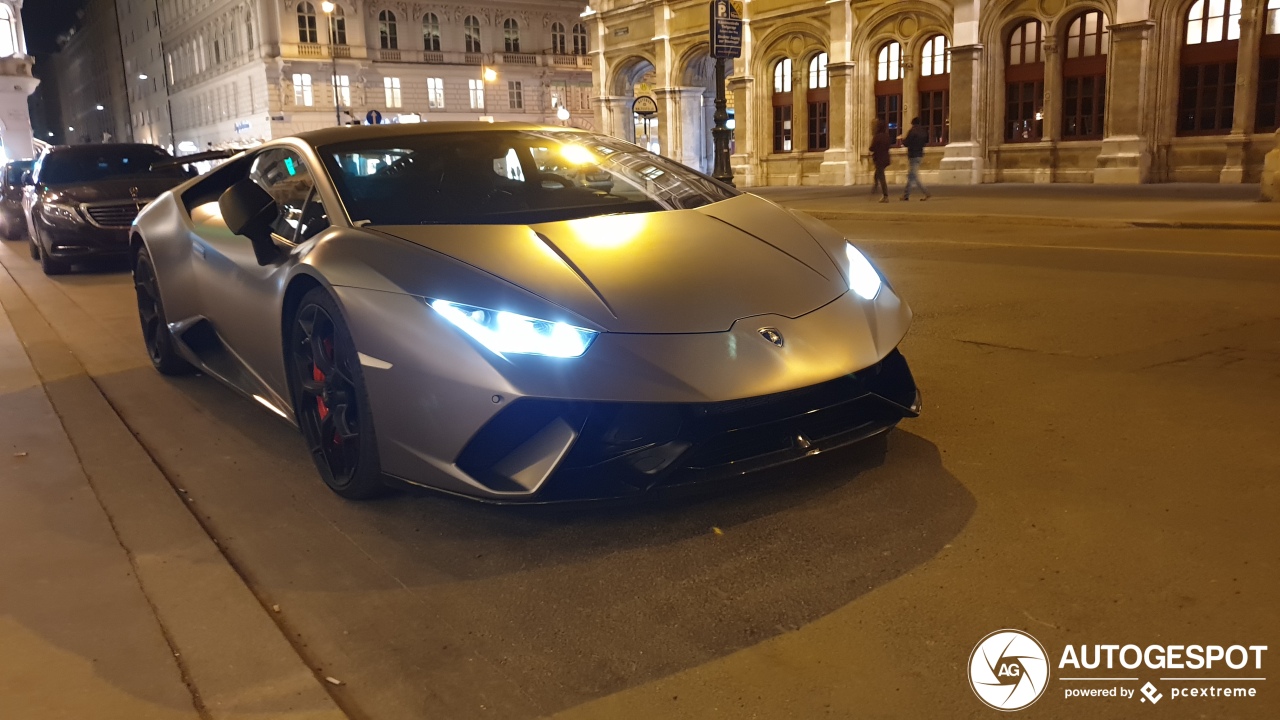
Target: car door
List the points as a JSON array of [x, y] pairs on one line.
[[241, 298]]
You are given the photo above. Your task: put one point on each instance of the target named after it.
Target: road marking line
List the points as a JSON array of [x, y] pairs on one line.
[[1074, 247]]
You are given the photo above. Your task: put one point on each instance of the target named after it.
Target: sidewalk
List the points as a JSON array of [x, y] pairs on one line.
[[114, 603], [1171, 205]]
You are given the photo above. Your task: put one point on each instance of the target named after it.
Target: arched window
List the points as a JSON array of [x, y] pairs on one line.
[[817, 95], [471, 31], [782, 105], [889, 87], [1207, 88], [510, 35], [8, 32], [387, 31], [431, 32], [306, 23], [1024, 83], [935, 88], [579, 39], [1084, 76], [337, 26], [558, 44], [1268, 119]]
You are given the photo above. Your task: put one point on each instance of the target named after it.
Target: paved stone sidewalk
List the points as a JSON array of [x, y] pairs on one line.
[[1228, 207]]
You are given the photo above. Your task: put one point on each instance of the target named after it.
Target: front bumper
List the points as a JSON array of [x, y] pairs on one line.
[[84, 241], [541, 450]]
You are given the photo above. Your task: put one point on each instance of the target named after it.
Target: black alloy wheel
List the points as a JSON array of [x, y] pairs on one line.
[[330, 400], [155, 329]]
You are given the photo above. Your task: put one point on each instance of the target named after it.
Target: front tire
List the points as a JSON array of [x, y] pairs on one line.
[[51, 266], [155, 328], [330, 399]]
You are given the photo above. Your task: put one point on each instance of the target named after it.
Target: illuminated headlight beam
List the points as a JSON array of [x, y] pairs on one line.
[[863, 278], [508, 333]]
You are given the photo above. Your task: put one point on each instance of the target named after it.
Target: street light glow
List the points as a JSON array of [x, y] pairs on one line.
[[562, 112], [142, 76], [327, 6], [490, 75], [100, 107]]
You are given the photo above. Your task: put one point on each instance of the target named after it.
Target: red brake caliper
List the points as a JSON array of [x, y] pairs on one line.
[[320, 406]]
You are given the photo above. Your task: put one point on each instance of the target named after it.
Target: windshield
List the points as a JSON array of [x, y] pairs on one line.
[[508, 177], [88, 163]]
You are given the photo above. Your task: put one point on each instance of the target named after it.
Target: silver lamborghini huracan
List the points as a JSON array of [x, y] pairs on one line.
[[518, 313]]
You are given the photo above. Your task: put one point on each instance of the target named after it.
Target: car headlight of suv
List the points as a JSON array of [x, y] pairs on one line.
[[864, 279], [508, 333], [61, 215]]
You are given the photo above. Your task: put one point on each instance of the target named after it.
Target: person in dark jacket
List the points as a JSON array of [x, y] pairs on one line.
[[880, 144], [915, 141]]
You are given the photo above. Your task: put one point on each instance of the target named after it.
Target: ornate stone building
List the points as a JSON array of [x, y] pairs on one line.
[[242, 71], [18, 83], [1106, 91]]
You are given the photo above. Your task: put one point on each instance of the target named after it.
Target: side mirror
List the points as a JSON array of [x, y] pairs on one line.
[[26, 178], [248, 210]]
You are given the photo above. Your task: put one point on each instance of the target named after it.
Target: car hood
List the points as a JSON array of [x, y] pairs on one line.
[[681, 271], [114, 188]]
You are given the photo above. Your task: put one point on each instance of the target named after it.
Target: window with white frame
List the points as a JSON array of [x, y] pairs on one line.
[[579, 39], [342, 83], [387, 38], [515, 95], [306, 23], [471, 32], [476, 90], [435, 93], [430, 32], [302, 89], [511, 35], [558, 44], [391, 87]]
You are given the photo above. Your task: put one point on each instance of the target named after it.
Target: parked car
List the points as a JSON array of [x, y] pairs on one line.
[[80, 200], [443, 305], [13, 223]]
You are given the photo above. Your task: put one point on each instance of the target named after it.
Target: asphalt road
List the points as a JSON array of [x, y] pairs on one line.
[[1097, 463]]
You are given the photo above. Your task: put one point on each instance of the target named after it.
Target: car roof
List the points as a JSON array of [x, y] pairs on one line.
[[355, 133], [95, 148]]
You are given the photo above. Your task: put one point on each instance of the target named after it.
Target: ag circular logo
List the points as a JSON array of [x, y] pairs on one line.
[[1008, 670]]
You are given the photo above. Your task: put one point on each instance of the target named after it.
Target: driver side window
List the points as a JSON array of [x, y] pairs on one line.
[[289, 182]]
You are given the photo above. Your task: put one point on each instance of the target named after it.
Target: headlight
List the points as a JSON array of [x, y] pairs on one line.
[[61, 215], [506, 332], [863, 278]]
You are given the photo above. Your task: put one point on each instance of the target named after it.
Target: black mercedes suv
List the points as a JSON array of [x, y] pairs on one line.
[[80, 200]]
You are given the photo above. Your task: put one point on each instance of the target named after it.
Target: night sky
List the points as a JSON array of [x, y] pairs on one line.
[[43, 20]]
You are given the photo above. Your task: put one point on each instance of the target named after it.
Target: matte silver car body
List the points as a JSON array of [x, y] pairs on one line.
[[679, 297]]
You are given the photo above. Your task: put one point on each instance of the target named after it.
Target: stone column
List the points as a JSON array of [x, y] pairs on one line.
[[1126, 147], [689, 135], [1271, 173], [745, 131], [840, 161], [1246, 93], [613, 115], [962, 158], [1051, 109], [910, 95]]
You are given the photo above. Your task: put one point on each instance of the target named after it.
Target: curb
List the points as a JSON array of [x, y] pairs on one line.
[[1039, 221], [235, 658]]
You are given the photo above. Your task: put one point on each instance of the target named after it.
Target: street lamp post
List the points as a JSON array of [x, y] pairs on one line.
[[486, 78], [328, 8]]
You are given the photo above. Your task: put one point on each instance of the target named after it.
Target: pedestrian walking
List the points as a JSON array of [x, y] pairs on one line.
[[880, 144], [917, 138]]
